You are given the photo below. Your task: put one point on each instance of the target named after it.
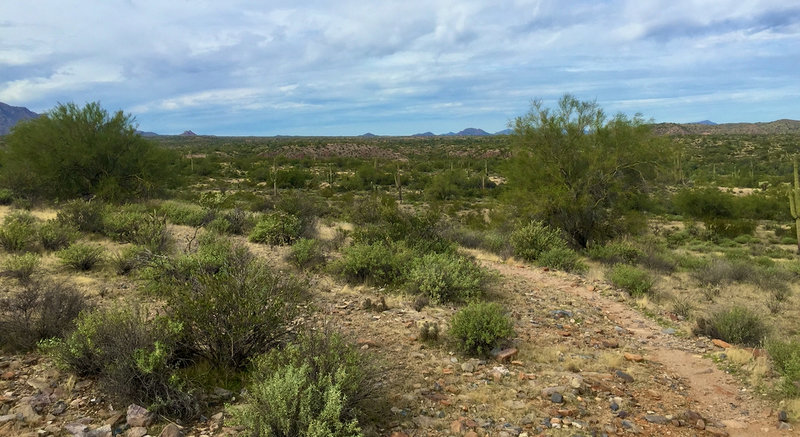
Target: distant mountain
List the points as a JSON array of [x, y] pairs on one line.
[[147, 134], [783, 126], [473, 132], [188, 133], [425, 134], [11, 115], [706, 122], [368, 135], [505, 132]]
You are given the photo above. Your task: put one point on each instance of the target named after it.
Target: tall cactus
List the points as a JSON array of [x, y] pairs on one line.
[[794, 202]]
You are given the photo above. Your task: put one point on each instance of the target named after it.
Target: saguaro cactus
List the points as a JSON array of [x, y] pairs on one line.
[[794, 202]]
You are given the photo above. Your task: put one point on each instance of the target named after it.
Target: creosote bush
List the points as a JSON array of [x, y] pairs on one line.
[[615, 252], [319, 386], [276, 229], [738, 325], [480, 327], [306, 253], [56, 235], [81, 256], [18, 233], [786, 359], [375, 264], [446, 277], [83, 216], [534, 239], [632, 279], [22, 266], [38, 311], [138, 227], [562, 258]]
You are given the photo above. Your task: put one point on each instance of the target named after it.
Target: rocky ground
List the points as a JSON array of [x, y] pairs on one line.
[[584, 362]]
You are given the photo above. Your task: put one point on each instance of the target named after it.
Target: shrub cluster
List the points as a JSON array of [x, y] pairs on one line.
[[56, 235], [736, 324], [538, 242], [480, 327], [786, 359], [306, 253], [377, 264], [138, 227], [83, 216], [22, 266], [446, 277], [80, 256], [276, 229], [615, 252], [632, 279], [18, 233]]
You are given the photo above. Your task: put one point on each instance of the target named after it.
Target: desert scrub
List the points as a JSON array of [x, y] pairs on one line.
[[81, 256], [738, 325], [615, 252], [56, 235], [183, 213], [235, 221], [276, 229], [130, 258], [562, 258], [134, 357], [480, 327], [446, 277], [18, 233], [637, 282], [306, 253], [39, 310], [22, 266], [534, 239], [83, 216], [320, 386], [140, 228], [786, 359], [377, 264]]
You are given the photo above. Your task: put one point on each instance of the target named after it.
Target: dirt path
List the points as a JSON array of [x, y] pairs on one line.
[[711, 392]]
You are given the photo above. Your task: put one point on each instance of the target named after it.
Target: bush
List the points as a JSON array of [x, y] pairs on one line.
[[615, 252], [737, 325], [447, 278], [562, 258], [182, 213], [22, 266], [83, 216], [18, 233], [534, 239], [6, 196], [786, 359], [56, 235], [375, 264], [133, 356], [635, 281], [306, 253], [276, 229], [140, 228], [81, 256], [231, 315], [38, 311], [729, 228], [235, 221], [321, 386], [480, 327], [130, 258]]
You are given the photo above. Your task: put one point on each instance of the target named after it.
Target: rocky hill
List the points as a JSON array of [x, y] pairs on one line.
[[10, 115], [783, 126]]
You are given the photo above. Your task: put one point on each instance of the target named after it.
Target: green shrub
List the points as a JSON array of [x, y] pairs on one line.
[[729, 228], [321, 386], [130, 258], [562, 258], [18, 233], [56, 235], [306, 253], [445, 277], [183, 213], [236, 312], [786, 359], [736, 324], [616, 252], [134, 357], [22, 266], [140, 228], [534, 239], [235, 221], [38, 311], [6, 196], [636, 281], [276, 229], [83, 216], [81, 256], [375, 264], [480, 327]]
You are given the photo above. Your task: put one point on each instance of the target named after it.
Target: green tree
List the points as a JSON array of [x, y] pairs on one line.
[[578, 171], [71, 151]]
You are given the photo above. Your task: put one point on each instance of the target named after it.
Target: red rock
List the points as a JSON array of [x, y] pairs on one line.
[[565, 333], [8, 375], [611, 344], [633, 357], [506, 354], [367, 342], [721, 343], [517, 363], [471, 434], [447, 371], [458, 427], [399, 434]]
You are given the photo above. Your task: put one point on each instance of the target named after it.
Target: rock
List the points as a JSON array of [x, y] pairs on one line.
[[7, 418], [547, 392], [103, 431], [633, 357], [576, 382], [138, 416], [668, 331], [136, 431], [783, 416], [458, 427], [624, 376], [76, 429], [783, 426], [720, 343], [59, 408], [114, 420], [557, 398], [700, 424], [652, 418], [610, 343], [505, 354], [692, 416], [28, 413], [631, 427], [614, 406], [471, 434], [171, 430], [9, 375], [399, 434]]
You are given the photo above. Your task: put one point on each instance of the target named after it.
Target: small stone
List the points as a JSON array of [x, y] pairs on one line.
[[114, 419], [28, 413], [610, 344], [624, 376], [614, 406], [783, 416], [557, 398], [547, 392], [139, 416], [171, 430], [783, 426], [136, 431], [633, 357], [668, 331], [7, 418], [77, 429], [700, 424], [458, 427], [9, 375], [720, 343], [661, 420], [506, 354], [103, 431], [59, 408], [632, 427]]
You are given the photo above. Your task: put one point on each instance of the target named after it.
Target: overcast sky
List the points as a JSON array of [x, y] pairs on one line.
[[247, 67]]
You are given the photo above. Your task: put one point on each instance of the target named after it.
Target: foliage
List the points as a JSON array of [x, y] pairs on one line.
[[22, 266], [137, 227], [738, 325], [235, 221], [230, 315], [70, 152], [135, 357], [786, 359], [130, 258], [534, 239], [445, 277], [82, 215], [6, 196], [80, 256], [615, 252], [276, 229], [40, 310], [183, 213], [578, 171], [56, 235], [375, 264], [306, 253], [632, 279], [480, 327], [562, 258], [320, 386], [18, 233]]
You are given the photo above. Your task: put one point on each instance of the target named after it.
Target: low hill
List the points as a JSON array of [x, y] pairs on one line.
[[11, 115], [783, 126]]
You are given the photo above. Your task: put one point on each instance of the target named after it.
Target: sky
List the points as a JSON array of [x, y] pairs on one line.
[[250, 67]]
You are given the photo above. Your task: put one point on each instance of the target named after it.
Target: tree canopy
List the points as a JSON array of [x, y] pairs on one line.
[[71, 152], [579, 171]]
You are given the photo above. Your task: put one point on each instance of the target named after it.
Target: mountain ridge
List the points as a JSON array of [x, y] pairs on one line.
[[11, 115]]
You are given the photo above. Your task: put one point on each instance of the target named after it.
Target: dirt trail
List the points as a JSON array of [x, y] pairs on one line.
[[711, 392]]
